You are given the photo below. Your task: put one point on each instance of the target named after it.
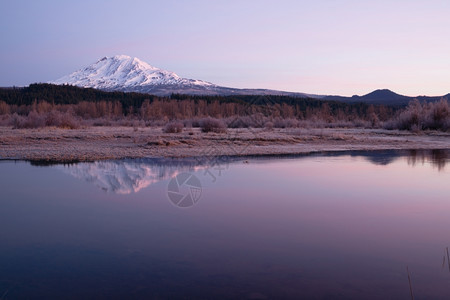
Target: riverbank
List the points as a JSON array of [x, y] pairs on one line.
[[100, 143]]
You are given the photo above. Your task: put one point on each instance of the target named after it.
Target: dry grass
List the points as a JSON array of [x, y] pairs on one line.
[[97, 143]]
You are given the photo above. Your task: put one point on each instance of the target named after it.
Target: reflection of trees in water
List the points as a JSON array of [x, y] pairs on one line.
[[437, 158]]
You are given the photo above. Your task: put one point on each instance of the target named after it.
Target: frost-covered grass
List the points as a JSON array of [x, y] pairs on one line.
[[107, 142]]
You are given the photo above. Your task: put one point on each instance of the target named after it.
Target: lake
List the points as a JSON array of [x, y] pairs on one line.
[[350, 225]]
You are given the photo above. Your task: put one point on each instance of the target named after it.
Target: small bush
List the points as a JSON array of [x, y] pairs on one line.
[[62, 120], [156, 123], [268, 125], [101, 122], [5, 120], [173, 127], [416, 117], [213, 125], [33, 120], [69, 121], [187, 123], [411, 117], [285, 123], [54, 118], [279, 123], [38, 120], [4, 108], [360, 123], [196, 122], [438, 115], [239, 122]]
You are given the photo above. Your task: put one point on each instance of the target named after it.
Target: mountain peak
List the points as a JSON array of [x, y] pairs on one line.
[[383, 94], [126, 73], [121, 56], [130, 74]]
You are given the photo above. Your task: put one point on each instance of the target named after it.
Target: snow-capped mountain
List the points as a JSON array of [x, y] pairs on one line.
[[130, 74], [125, 73]]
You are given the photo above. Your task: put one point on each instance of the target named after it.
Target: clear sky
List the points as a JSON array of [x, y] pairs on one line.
[[325, 47]]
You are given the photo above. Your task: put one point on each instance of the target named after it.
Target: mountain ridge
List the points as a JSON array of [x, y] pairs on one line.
[[130, 74]]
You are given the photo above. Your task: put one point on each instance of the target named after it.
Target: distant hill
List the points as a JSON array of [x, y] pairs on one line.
[[384, 97]]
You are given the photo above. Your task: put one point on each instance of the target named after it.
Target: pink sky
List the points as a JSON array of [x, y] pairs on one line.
[[322, 47]]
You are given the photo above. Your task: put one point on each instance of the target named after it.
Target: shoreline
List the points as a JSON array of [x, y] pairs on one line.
[[107, 143]]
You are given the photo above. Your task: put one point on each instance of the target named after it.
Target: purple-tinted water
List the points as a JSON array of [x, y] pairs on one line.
[[343, 225]]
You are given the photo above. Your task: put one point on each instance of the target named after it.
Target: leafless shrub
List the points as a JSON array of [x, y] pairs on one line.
[[268, 125], [4, 108], [129, 122], [187, 123], [258, 120], [173, 127], [33, 120], [16, 120], [213, 125], [291, 123], [437, 115], [156, 123], [359, 123], [54, 118], [42, 107], [339, 124], [5, 120], [196, 122], [285, 123], [310, 124], [411, 117], [101, 122], [69, 121], [241, 122], [417, 117], [447, 125], [23, 110], [389, 125]]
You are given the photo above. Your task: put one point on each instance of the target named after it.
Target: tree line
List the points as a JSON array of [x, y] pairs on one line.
[[66, 106], [95, 103]]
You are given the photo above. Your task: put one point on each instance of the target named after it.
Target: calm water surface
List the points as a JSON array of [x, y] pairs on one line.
[[336, 226]]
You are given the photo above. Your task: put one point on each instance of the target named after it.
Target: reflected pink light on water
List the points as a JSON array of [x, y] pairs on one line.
[[344, 224]]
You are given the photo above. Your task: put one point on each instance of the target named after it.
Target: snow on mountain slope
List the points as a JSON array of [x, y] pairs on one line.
[[128, 74], [125, 73]]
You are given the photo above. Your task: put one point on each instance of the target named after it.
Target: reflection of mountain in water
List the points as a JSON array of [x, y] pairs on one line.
[[382, 158], [127, 176], [131, 176]]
